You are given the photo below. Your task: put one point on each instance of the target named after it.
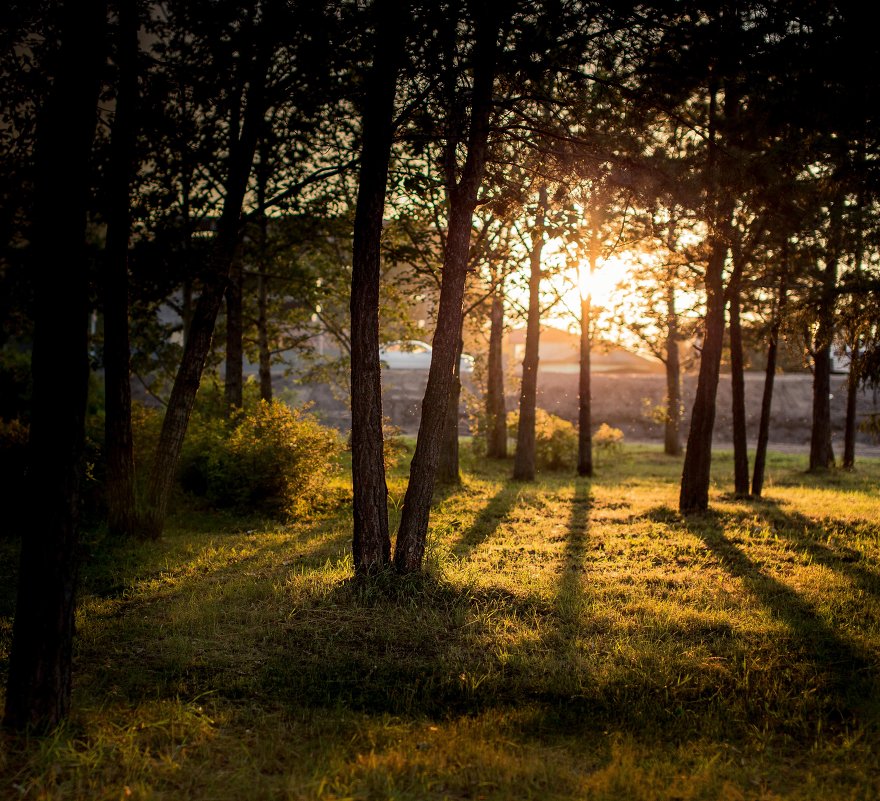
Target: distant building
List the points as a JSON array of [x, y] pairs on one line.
[[559, 352]]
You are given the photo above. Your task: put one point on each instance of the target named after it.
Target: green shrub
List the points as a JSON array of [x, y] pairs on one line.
[[556, 441], [608, 440], [271, 460]]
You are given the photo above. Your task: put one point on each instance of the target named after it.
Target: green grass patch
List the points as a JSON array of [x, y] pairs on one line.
[[571, 639]]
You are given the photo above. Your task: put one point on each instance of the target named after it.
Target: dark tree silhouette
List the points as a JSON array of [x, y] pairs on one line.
[[372, 543], [120, 489], [39, 682], [411, 535]]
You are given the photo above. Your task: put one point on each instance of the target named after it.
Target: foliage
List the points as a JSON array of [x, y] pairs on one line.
[[871, 425], [608, 440], [555, 440], [271, 459]]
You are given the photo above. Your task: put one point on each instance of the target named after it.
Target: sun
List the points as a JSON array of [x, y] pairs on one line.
[[575, 281]]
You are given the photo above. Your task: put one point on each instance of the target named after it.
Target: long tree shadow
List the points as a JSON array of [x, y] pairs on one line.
[[486, 523], [847, 673], [570, 589], [811, 537]]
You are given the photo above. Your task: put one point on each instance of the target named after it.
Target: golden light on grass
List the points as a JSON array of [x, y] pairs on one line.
[[572, 640]]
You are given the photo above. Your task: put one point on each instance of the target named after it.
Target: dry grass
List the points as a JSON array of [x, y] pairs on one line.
[[572, 639]]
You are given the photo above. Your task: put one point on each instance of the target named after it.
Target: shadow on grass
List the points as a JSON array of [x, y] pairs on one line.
[[813, 537], [486, 523], [846, 674], [570, 590]]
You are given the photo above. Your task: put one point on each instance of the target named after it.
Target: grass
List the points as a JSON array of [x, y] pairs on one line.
[[570, 639]]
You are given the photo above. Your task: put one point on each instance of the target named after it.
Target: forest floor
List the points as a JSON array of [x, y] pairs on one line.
[[571, 639]]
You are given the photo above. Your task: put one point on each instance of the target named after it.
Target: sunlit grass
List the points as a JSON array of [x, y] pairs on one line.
[[572, 639]]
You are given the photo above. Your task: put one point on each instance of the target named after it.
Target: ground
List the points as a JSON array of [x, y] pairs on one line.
[[570, 639]]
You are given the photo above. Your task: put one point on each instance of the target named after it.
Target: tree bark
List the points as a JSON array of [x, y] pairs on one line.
[[821, 453], [767, 397], [524, 457], [448, 471], [234, 379], [585, 399], [496, 411], [120, 481], [264, 352], [371, 540], [585, 406], [852, 394], [413, 530], [672, 424], [263, 337], [39, 679], [695, 477], [201, 329], [738, 397]]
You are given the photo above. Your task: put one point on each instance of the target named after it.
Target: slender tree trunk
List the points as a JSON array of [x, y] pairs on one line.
[[39, 679], [854, 375], [201, 330], [524, 457], [263, 337], [672, 363], [694, 495], [767, 398], [234, 379], [186, 305], [585, 399], [695, 477], [738, 397], [496, 410], [852, 394], [413, 530], [585, 406], [265, 355], [371, 541], [120, 481], [448, 471], [821, 453]]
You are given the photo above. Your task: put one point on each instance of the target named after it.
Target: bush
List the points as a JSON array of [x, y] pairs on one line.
[[556, 441], [271, 460], [608, 440]]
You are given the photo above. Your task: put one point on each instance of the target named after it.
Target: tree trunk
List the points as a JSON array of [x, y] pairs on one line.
[[120, 481], [265, 354], [694, 495], [413, 530], [524, 457], [672, 424], [821, 454], [585, 406], [201, 330], [39, 679], [852, 393], [234, 379], [695, 477], [263, 337], [767, 398], [448, 471], [186, 304], [585, 400], [371, 540], [496, 410], [738, 397]]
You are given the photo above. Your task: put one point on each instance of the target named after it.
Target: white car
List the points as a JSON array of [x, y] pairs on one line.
[[410, 354]]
